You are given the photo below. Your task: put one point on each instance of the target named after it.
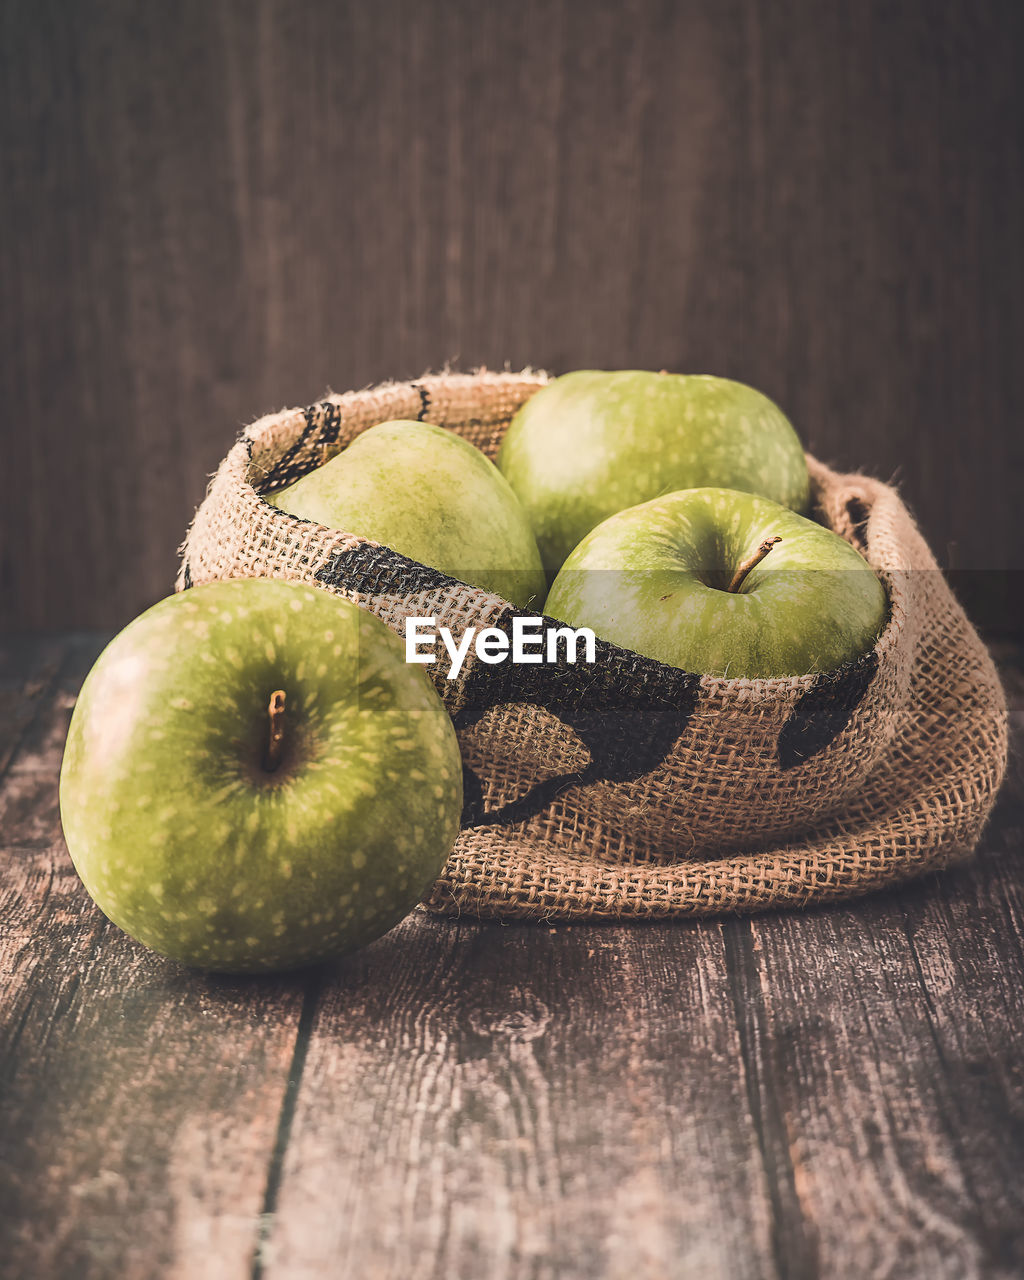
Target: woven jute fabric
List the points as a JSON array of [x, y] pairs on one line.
[[626, 788]]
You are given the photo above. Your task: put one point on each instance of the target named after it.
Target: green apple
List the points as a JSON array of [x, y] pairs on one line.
[[722, 583], [430, 495], [254, 779], [592, 443]]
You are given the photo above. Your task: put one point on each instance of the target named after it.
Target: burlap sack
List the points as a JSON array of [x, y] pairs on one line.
[[630, 789]]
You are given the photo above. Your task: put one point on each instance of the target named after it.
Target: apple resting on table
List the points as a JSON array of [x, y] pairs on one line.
[[432, 496], [592, 443], [722, 583], [254, 778]]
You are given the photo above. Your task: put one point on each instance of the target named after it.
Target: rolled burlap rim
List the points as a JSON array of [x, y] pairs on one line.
[[631, 789]]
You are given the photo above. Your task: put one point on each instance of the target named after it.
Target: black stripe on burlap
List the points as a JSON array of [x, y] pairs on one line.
[[824, 711], [323, 426], [424, 396], [378, 571], [627, 710]]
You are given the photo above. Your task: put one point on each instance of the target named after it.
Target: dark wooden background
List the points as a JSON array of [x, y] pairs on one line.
[[212, 210]]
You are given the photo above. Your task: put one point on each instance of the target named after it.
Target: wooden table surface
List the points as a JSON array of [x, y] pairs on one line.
[[838, 1092]]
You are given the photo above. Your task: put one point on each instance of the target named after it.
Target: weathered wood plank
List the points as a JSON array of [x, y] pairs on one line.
[[29, 664], [139, 1103], [525, 1101], [527, 1108], [884, 1046], [53, 670]]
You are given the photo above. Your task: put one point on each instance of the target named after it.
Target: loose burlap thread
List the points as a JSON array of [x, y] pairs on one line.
[[629, 789]]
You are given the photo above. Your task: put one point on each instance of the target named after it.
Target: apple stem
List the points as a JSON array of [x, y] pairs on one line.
[[750, 562], [275, 741]]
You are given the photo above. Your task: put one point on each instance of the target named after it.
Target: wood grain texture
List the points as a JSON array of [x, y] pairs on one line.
[[833, 1092], [213, 211], [139, 1104], [526, 1101]]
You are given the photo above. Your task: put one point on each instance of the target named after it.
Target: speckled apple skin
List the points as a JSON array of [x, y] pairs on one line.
[[182, 837], [432, 496], [593, 442], [654, 579]]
